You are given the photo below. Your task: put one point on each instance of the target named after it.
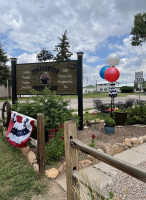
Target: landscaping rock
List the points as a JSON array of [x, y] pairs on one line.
[[135, 141], [100, 150], [119, 147], [62, 168], [84, 163], [52, 173], [25, 151], [31, 157], [127, 142], [36, 167], [91, 158], [141, 139], [107, 148], [144, 138]]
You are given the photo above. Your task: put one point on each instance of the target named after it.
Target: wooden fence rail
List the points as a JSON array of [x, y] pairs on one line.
[[72, 144]]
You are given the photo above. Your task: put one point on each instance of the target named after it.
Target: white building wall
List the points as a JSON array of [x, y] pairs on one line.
[[105, 87], [4, 92]]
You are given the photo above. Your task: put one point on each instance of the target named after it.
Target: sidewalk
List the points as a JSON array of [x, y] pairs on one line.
[[103, 175]]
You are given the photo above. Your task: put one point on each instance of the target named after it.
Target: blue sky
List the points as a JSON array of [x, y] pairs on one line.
[[95, 27]]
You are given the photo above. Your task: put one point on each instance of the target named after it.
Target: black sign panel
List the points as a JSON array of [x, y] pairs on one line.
[[57, 76]]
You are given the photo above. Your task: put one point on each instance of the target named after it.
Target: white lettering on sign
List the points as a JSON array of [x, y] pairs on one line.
[[138, 77]]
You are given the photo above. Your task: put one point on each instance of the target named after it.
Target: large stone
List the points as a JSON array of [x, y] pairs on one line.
[[127, 142], [31, 157], [119, 147], [52, 173], [107, 148], [92, 158], [141, 139], [62, 168], [25, 150], [144, 138], [100, 150], [85, 163], [36, 167], [135, 141]]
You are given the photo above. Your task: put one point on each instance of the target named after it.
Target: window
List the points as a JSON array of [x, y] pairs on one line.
[[101, 89]]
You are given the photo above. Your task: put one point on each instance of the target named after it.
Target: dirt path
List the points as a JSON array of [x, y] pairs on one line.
[[54, 192]]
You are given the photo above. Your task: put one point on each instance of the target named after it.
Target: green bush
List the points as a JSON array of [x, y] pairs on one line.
[[52, 106], [55, 147], [127, 89], [137, 114]]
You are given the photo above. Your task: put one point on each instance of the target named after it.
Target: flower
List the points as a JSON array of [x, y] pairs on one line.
[[110, 109], [94, 112], [61, 137], [51, 136], [93, 136], [61, 126]]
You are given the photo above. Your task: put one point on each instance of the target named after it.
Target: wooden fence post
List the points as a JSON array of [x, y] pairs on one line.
[[71, 155], [41, 144]]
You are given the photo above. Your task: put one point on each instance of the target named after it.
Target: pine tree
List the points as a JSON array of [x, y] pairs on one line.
[[63, 53], [4, 71], [138, 32]]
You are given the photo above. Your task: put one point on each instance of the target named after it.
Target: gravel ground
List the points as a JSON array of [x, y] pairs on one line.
[[126, 187]]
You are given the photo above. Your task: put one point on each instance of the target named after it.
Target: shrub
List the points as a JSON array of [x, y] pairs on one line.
[[126, 89], [137, 114], [55, 147], [52, 106], [109, 121]]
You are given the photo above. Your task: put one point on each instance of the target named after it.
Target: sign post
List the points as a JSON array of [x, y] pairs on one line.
[[80, 88], [139, 80], [14, 91]]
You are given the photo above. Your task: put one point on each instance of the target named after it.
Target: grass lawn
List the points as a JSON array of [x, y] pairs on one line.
[[91, 116], [18, 180]]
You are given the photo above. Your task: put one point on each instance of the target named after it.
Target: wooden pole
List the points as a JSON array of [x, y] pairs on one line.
[[71, 155], [41, 144]]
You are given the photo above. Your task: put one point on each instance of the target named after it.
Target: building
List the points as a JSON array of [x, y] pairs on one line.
[[89, 89], [105, 86]]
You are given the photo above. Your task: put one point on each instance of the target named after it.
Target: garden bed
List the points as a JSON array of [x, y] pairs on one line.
[[121, 132]]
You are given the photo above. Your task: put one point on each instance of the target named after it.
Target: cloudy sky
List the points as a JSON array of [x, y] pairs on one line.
[[95, 27]]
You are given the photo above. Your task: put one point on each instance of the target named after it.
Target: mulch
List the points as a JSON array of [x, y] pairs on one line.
[[121, 132]]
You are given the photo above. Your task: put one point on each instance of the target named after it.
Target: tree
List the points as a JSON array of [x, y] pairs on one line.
[[126, 89], [4, 71], [138, 32], [44, 55], [63, 53]]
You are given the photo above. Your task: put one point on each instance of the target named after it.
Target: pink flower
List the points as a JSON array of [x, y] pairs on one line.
[[93, 136]]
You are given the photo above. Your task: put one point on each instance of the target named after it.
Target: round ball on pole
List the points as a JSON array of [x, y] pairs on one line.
[[102, 71], [113, 59], [112, 74]]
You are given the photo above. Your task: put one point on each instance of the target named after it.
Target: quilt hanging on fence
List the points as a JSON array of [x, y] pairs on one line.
[[19, 130]]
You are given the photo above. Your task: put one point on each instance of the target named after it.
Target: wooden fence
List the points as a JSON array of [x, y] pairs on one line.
[[73, 177]]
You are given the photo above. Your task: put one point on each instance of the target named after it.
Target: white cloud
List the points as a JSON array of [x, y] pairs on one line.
[[33, 25], [27, 58]]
